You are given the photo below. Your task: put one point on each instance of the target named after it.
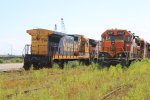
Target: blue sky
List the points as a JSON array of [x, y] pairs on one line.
[[87, 17]]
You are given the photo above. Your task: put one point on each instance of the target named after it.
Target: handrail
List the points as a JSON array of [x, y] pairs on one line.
[[26, 49]]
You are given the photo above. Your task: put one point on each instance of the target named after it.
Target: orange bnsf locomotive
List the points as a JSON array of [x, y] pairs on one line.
[[121, 46]]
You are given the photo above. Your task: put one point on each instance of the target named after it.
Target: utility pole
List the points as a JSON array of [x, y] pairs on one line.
[[63, 26], [11, 50], [55, 28]]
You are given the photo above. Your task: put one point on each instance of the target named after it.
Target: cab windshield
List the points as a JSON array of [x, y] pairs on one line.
[[115, 38], [112, 38]]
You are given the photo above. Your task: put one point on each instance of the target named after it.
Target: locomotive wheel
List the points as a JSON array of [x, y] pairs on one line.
[[103, 64], [61, 64], [35, 66], [100, 65], [81, 62], [125, 63], [50, 64], [87, 62], [27, 65], [128, 63], [95, 60]]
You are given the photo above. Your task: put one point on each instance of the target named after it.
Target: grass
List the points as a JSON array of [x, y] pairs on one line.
[[1, 61], [78, 82], [11, 60]]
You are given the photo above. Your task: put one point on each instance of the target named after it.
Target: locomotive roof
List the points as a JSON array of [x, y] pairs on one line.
[[115, 31], [39, 31], [44, 32]]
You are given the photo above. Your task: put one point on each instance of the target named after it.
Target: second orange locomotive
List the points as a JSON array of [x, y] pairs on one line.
[[121, 46]]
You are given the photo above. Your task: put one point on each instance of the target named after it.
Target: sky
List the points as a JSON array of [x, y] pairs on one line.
[[88, 17]]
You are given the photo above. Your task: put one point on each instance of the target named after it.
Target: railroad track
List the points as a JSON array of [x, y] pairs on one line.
[[106, 96], [9, 96], [21, 76], [116, 90], [111, 93], [43, 86]]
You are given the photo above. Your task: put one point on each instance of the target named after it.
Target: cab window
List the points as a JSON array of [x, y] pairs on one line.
[[120, 37], [110, 33], [103, 38], [112, 38], [121, 33], [127, 39]]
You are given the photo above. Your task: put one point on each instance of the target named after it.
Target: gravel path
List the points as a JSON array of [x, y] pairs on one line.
[[11, 66]]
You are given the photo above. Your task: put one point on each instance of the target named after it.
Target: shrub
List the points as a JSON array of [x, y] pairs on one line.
[[16, 60], [1, 61]]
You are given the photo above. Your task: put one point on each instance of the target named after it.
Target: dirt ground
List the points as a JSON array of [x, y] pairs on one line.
[[11, 66]]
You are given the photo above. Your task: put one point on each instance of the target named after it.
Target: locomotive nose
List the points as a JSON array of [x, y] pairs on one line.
[[112, 48], [113, 42]]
